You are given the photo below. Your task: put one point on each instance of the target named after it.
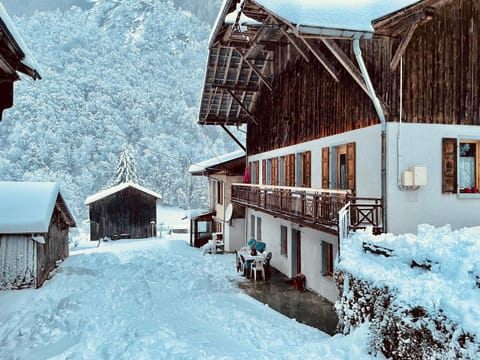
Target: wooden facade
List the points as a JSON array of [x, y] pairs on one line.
[[128, 213], [300, 87], [440, 83]]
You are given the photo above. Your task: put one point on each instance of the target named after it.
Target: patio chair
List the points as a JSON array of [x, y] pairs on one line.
[[256, 266], [243, 267]]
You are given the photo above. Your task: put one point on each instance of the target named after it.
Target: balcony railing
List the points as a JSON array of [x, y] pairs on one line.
[[316, 208]]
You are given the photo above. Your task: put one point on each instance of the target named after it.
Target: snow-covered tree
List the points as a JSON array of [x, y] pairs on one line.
[[126, 166]]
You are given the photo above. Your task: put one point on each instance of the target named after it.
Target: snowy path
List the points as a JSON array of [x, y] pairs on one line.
[[154, 299]]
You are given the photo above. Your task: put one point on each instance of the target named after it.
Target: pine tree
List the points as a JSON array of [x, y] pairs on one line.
[[127, 166]]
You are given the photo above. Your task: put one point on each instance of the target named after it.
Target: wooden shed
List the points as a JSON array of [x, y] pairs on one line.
[[124, 211], [34, 223], [14, 57], [201, 226]]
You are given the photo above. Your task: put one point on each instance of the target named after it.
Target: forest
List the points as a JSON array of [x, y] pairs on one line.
[[115, 74]]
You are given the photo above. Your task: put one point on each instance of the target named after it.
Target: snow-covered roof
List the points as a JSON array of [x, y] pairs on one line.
[[196, 213], [27, 207], [28, 60], [355, 15], [325, 17], [114, 189], [216, 161]]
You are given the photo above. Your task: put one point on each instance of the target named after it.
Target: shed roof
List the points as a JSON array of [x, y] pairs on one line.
[[114, 189], [27, 207], [246, 33], [216, 162]]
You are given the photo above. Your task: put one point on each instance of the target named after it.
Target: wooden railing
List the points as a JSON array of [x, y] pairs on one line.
[[311, 207]]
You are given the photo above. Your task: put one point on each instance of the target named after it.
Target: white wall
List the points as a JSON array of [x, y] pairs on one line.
[[368, 156], [421, 144], [234, 235], [311, 241]]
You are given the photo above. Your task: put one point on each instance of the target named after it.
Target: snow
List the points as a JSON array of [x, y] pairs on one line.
[[450, 285], [155, 299], [26, 207], [114, 189], [354, 15], [28, 60], [218, 160]]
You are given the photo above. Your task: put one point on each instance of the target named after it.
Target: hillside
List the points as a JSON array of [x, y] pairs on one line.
[[119, 73]]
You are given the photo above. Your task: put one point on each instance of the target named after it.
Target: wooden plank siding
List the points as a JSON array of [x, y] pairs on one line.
[[127, 213], [440, 83]]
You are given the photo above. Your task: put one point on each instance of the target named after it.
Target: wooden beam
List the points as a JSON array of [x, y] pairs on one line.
[[237, 87], [402, 47], [346, 63], [234, 138], [322, 58], [292, 41], [240, 103]]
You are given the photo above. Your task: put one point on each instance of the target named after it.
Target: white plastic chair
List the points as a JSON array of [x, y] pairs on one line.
[[257, 265]]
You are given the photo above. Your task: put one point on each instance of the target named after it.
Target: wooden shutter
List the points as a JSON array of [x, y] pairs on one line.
[[307, 169], [325, 168], [257, 172], [351, 166], [274, 174], [449, 165], [264, 172], [286, 170], [250, 174], [292, 169]]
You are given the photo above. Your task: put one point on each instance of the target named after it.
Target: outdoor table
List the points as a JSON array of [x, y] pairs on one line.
[[245, 252]]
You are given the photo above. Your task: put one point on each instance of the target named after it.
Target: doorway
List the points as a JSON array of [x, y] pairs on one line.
[[296, 252]]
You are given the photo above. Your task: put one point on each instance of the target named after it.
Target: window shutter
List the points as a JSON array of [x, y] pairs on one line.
[[275, 171], [257, 173], [292, 169], [307, 168], [324, 258], [325, 168], [351, 166], [449, 165], [264, 172]]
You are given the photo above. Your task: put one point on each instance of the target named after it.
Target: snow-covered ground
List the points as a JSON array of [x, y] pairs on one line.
[[155, 299]]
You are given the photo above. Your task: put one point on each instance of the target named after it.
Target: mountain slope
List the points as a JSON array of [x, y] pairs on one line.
[[121, 72]]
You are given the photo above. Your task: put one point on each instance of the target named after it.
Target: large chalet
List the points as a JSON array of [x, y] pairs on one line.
[[359, 114]]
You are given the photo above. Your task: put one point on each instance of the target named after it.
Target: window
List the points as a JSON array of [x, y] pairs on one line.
[[268, 172], [254, 172], [327, 259], [460, 172], [259, 229], [468, 169], [281, 171], [338, 170], [219, 193], [252, 226], [283, 240]]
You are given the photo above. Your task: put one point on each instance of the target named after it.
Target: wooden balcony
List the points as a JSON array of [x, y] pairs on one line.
[[315, 208]]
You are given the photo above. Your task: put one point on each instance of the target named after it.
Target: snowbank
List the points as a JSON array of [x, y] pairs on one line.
[[433, 276]]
